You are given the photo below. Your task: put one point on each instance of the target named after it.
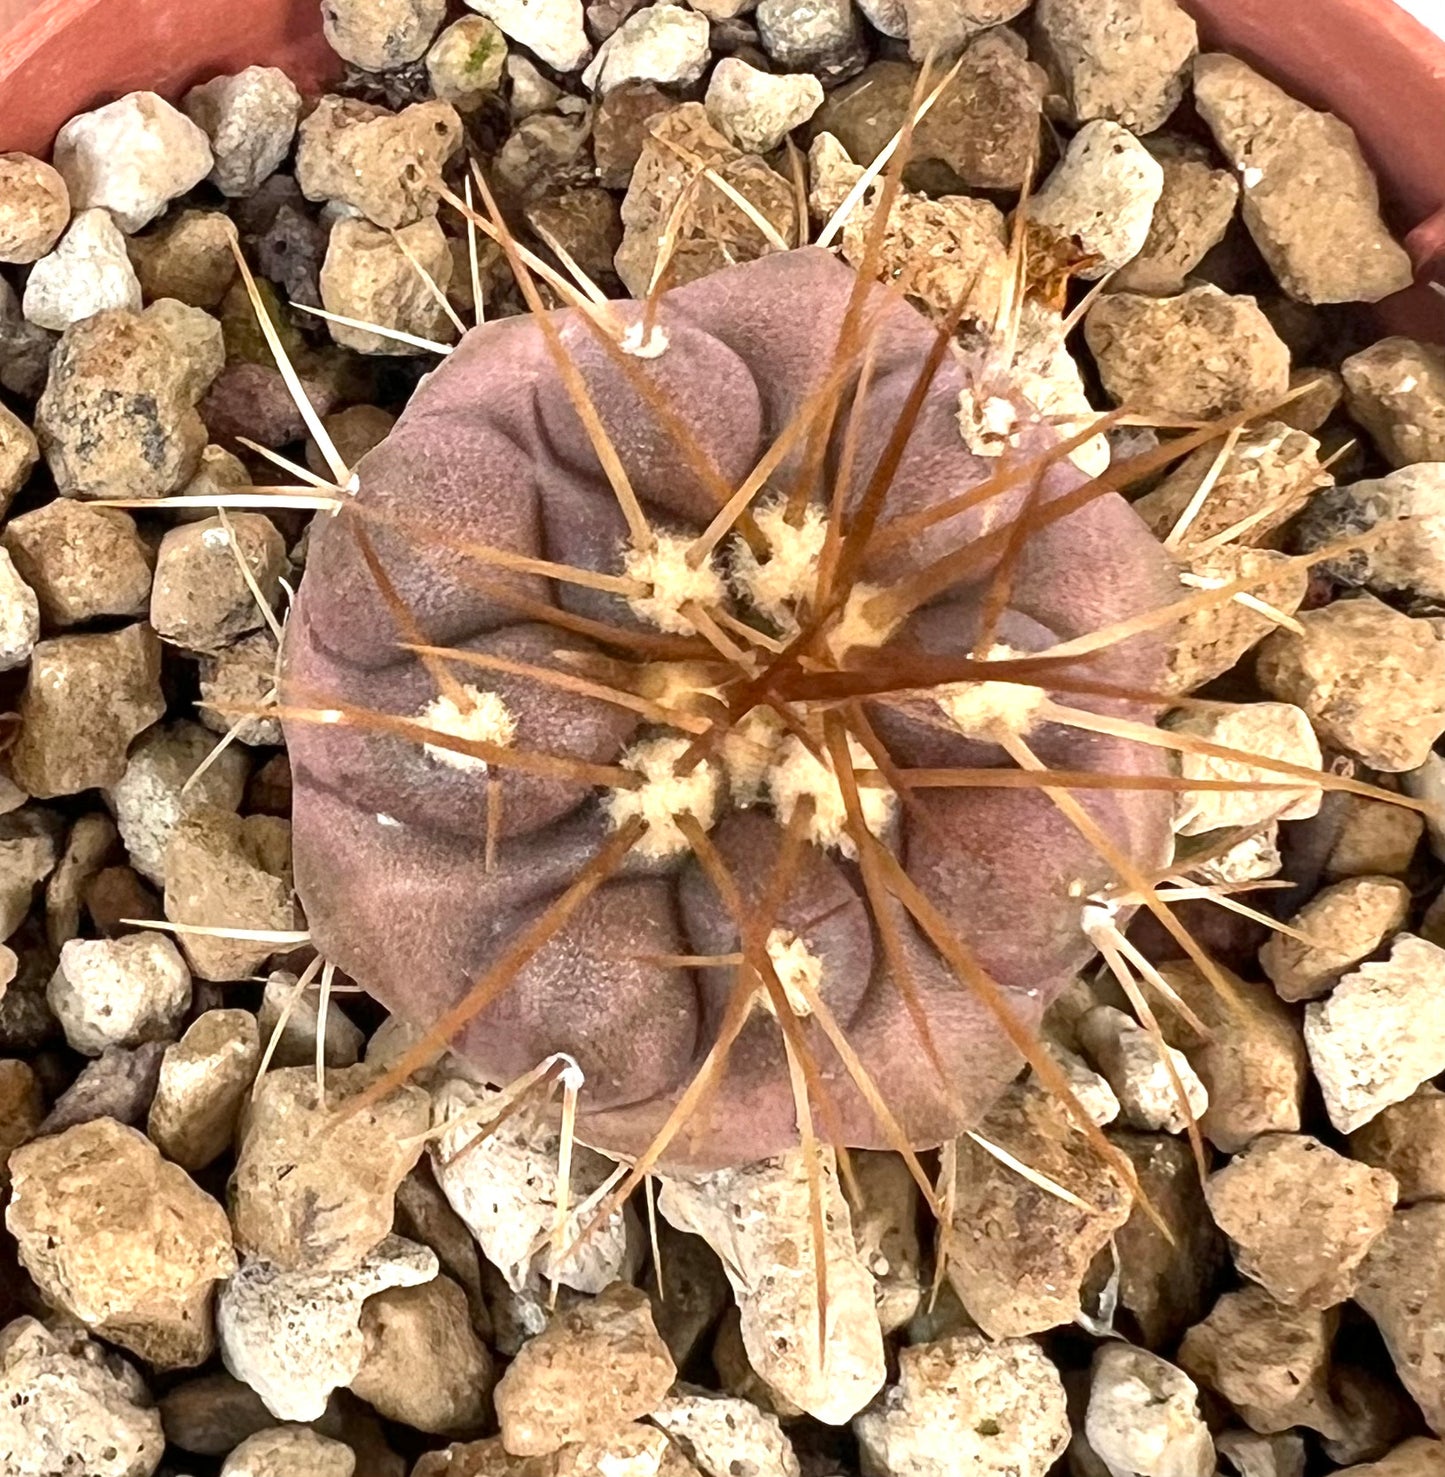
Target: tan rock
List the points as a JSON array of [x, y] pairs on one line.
[[1417, 1457], [465, 63], [371, 275], [885, 1229], [722, 1436], [92, 845], [19, 451], [34, 208], [1156, 1089], [1345, 924], [29, 849], [81, 561], [1374, 838], [187, 257], [204, 1078], [1252, 1455], [1396, 390], [1408, 1140], [289, 1451], [239, 677], [200, 600], [1192, 215], [22, 1106]]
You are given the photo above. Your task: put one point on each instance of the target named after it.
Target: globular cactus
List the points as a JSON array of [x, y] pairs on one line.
[[672, 732]]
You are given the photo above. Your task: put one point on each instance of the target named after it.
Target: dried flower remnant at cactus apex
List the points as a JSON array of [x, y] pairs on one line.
[[697, 700]]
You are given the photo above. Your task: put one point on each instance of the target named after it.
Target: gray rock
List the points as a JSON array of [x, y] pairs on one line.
[[250, 119], [819, 36], [553, 29], [89, 271]]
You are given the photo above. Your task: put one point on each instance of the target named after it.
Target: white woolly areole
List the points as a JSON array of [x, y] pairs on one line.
[[777, 584], [651, 347], [858, 627], [672, 582], [987, 423], [488, 720], [665, 794], [990, 711], [799, 971], [797, 772], [749, 750]]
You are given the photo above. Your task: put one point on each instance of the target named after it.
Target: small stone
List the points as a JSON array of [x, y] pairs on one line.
[[544, 155], [203, 1080], [294, 1039], [294, 1337], [120, 992], [119, 1085], [252, 400], [692, 1295], [368, 275], [29, 850], [69, 1405], [19, 451], [1018, 1255], [1252, 1455], [24, 361], [1345, 924], [1408, 1140], [725, 1437], [1396, 390], [1193, 213], [1381, 1033], [200, 600], [885, 1230], [89, 271], [1143, 1416], [250, 119], [553, 29], [586, 224], [594, 1367], [1095, 1096], [121, 1240], [386, 165], [1124, 60], [1417, 1457], [966, 1404], [34, 208], [19, 616], [85, 699], [1283, 1183], [1148, 1093], [466, 62], [379, 35], [116, 899], [620, 129], [223, 871], [819, 36], [1374, 838], [1318, 393], [1199, 355], [1402, 1287], [942, 26], [82, 562], [290, 1451], [1310, 200], [132, 157], [423, 1365], [22, 1107], [756, 110], [187, 257], [240, 676], [757, 1218], [1372, 680], [665, 43]]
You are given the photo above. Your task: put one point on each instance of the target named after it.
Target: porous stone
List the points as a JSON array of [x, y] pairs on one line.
[[19, 451], [379, 35], [82, 562], [241, 676], [118, 1085], [1396, 390], [966, 1404], [1310, 200], [1194, 211], [34, 208], [553, 29], [66, 1404], [294, 1337], [885, 1230], [290, 1023], [1381, 1033], [29, 849], [1199, 355], [1101, 195], [1344, 924], [19, 616], [85, 699], [1374, 838], [119, 992], [187, 257], [290, 1451], [824, 37], [466, 63], [204, 1078], [666, 44], [200, 599], [1091, 1088], [1143, 1416], [593, 1368], [691, 1295], [89, 271], [22, 1107], [757, 110], [723, 1436], [252, 400], [369, 274], [132, 157], [1147, 1089], [1417, 1457], [1125, 60], [1371, 680], [250, 119], [121, 1240], [1408, 1140]]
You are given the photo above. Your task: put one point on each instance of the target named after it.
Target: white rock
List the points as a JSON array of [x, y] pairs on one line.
[[132, 157], [289, 1451], [119, 992], [89, 271], [966, 1405], [724, 1436], [19, 616], [1092, 1090], [1381, 1033], [888, 17], [1126, 1054], [758, 110], [203, 1082], [756, 1218], [1143, 1417], [664, 44], [1103, 191], [250, 119], [294, 1337], [552, 28]]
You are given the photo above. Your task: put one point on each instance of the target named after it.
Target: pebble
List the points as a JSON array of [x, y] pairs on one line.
[[117, 418], [19, 616], [200, 599], [1102, 195], [1251, 1455], [824, 37], [85, 699], [118, 1085], [290, 1451], [885, 1231], [252, 400], [423, 1365], [1310, 200], [1199, 355], [1374, 838], [593, 1368], [89, 271], [620, 129], [241, 675], [1408, 1140], [294, 1042], [24, 355], [34, 208], [553, 29], [666, 44], [19, 451], [725, 1437], [204, 1078], [1194, 211], [1283, 1182], [314, 1185], [29, 850], [466, 63], [1396, 390], [187, 257], [1381, 1033], [1129, 1058], [119, 992], [1417, 1457], [368, 275], [757, 1218], [1143, 1416], [379, 35], [1345, 924], [757, 110], [1402, 1287], [121, 1240], [966, 1404], [1018, 1255], [1371, 679], [250, 119], [82, 562], [132, 157], [158, 788], [294, 1337], [382, 164], [67, 1404], [223, 871]]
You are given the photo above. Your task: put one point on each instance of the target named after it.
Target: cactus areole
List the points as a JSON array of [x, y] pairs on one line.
[[716, 751]]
